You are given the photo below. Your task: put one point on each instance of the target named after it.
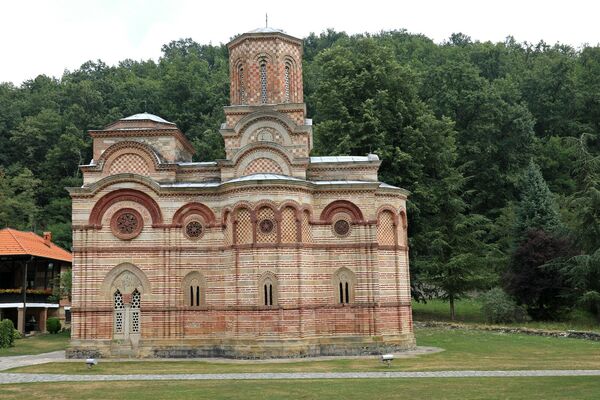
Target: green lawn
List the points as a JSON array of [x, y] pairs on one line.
[[464, 350], [580, 388], [469, 311], [37, 344]]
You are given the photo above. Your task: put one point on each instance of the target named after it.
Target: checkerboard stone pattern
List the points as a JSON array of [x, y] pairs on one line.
[[131, 163], [263, 165], [255, 230]]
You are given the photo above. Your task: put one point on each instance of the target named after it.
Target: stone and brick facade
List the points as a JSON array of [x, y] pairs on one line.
[[267, 253]]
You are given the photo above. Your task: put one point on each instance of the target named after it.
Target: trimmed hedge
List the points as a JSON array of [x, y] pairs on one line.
[[53, 325], [7, 336]]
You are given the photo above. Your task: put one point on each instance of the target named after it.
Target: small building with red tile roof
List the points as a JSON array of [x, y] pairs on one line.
[[29, 267]]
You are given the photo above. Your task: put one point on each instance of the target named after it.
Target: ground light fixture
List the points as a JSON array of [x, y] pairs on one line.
[[387, 359]]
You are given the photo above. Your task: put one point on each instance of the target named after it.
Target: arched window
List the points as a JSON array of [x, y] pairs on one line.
[[195, 295], [243, 227], [263, 82], [344, 282], [267, 287], [242, 90], [136, 299], [386, 228], [119, 312], [194, 289], [286, 80]]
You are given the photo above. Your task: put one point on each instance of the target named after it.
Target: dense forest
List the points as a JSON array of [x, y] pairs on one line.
[[497, 142]]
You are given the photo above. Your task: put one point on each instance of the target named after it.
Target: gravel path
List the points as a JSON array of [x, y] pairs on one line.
[[29, 378], [20, 361], [23, 361]]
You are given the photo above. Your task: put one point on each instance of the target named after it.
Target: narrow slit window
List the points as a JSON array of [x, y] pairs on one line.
[[287, 83], [341, 293], [242, 92], [191, 295], [270, 294], [347, 294], [266, 298], [263, 82], [197, 295]]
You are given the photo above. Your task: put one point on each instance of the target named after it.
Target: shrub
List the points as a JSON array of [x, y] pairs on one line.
[[16, 334], [499, 307], [53, 325], [6, 333]]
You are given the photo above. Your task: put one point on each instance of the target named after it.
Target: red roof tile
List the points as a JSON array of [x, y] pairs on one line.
[[14, 242]]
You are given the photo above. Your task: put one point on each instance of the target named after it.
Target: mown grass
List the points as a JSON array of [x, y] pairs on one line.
[[469, 311], [464, 350], [581, 388], [37, 344]]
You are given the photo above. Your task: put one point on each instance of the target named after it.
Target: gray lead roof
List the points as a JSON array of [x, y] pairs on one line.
[[260, 177], [141, 116], [334, 159]]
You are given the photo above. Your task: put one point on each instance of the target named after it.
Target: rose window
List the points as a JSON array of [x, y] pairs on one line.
[[341, 227], [194, 229], [126, 224], [266, 226]]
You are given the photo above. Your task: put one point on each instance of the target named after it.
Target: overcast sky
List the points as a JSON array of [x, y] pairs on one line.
[[47, 37]]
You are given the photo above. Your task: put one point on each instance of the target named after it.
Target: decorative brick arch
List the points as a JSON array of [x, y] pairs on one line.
[[194, 208], [387, 226], [341, 206], [403, 219], [263, 56], [269, 151], [293, 204], [125, 195], [241, 205], [290, 222], [255, 119], [125, 277], [243, 224], [390, 208], [120, 149], [255, 126], [197, 296], [293, 82], [344, 286], [268, 289], [403, 231], [124, 178]]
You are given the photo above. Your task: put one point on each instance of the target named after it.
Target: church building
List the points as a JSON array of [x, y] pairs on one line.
[[267, 253]]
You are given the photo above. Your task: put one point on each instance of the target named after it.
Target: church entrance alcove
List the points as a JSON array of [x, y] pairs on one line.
[[127, 317], [126, 284]]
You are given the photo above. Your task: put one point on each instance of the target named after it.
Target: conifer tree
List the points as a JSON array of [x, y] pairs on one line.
[[537, 208]]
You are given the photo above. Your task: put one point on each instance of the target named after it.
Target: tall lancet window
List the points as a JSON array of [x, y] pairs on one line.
[[263, 82], [242, 91], [286, 78]]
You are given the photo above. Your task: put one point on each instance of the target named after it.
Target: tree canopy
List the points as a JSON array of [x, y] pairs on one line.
[[457, 123]]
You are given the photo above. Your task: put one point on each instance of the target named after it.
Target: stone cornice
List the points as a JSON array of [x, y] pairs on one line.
[[228, 187], [122, 133], [262, 36]]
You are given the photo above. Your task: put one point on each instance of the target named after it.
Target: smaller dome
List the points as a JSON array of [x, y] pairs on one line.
[[266, 29], [141, 116]]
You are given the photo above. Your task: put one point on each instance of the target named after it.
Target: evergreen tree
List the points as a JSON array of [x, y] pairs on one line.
[[537, 209]]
